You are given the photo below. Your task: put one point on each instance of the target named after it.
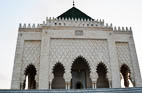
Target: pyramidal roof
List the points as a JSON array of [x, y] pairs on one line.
[[74, 13]]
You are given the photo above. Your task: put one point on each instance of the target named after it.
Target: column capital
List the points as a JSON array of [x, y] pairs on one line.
[[94, 77], [67, 77], [51, 76]]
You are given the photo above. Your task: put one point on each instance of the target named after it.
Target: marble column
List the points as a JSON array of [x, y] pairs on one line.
[[69, 85], [66, 84], [93, 85], [110, 85], [94, 77]]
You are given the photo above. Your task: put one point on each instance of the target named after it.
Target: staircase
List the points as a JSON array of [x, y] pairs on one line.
[[98, 90]]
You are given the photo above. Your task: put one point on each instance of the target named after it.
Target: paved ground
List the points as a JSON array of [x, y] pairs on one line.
[[99, 90]]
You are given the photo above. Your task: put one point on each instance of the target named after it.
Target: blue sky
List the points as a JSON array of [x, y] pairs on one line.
[[12, 12]]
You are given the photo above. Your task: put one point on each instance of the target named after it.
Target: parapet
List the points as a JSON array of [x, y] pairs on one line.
[[30, 26], [71, 22], [122, 29]]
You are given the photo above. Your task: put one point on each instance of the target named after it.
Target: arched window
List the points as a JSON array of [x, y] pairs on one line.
[[58, 82], [102, 81], [30, 82], [125, 76]]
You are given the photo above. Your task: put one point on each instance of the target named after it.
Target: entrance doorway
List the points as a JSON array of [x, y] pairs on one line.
[[125, 76], [58, 82], [79, 85], [102, 81], [80, 74]]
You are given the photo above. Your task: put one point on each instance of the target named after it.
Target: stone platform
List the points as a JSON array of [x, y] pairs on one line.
[[99, 90]]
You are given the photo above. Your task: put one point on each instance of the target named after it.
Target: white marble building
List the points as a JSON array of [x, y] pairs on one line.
[[74, 51]]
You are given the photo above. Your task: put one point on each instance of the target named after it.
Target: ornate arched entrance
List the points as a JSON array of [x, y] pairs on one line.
[[30, 73], [102, 81], [125, 75], [80, 74], [58, 82]]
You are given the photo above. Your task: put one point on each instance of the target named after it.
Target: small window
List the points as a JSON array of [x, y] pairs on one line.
[[92, 25], [79, 32], [55, 24]]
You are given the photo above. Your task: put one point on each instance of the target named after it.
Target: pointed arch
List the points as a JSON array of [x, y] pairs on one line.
[[101, 66], [30, 69], [58, 64], [125, 75], [102, 81], [83, 60], [58, 81], [80, 70], [30, 73]]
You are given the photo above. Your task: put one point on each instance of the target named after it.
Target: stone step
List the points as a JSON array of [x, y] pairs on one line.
[[98, 90]]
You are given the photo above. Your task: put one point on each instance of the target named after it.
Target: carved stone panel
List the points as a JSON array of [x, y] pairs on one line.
[[67, 50]]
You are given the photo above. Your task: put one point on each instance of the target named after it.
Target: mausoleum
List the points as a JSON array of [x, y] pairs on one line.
[[75, 51]]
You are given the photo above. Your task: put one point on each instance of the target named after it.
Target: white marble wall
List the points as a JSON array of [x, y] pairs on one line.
[[47, 44]]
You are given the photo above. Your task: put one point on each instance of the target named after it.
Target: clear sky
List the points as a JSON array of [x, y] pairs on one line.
[[12, 12]]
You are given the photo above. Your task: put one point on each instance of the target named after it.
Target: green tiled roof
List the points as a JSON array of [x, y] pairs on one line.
[[74, 13]]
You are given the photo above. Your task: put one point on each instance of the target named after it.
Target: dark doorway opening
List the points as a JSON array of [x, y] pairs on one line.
[[58, 82], [102, 81], [30, 73], [126, 76], [79, 85]]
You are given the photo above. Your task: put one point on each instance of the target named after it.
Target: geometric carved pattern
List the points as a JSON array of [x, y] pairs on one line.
[[66, 50], [31, 54], [123, 53]]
